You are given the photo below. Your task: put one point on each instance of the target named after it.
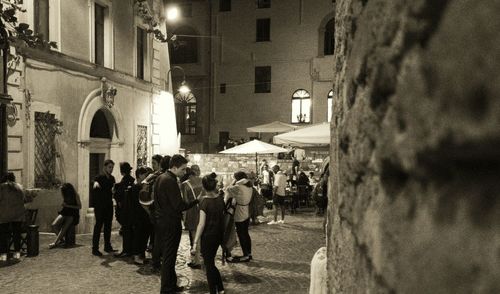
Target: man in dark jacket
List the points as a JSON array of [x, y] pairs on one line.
[[102, 201], [126, 182], [169, 206]]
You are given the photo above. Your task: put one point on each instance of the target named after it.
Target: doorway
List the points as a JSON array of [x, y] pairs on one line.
[[96, 162]]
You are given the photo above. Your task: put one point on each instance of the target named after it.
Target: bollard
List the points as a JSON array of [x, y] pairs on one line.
[[318, 272], [33, 240]]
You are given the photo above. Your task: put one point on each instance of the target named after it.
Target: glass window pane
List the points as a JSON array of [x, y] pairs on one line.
[[329, 117], [295, 110], [306, 110]]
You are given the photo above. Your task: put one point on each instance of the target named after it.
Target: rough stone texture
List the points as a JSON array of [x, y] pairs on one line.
[[415, 160]]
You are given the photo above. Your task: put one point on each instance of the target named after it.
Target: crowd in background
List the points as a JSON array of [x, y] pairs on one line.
[[153, 207]]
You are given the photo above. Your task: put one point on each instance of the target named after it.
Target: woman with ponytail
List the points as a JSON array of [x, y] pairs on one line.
[[210, 231]]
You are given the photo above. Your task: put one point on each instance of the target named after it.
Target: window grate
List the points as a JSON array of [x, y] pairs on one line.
[[142, 145], [45, 150]]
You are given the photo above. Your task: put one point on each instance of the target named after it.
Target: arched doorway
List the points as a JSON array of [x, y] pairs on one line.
[[102, 128], [99, 137]]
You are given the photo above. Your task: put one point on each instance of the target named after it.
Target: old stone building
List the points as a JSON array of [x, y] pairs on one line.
[[271, 57], [414, 190], [97, 96]]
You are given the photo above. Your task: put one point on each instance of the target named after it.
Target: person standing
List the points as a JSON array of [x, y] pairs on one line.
[[192, 188], [126, 182], [12, 214], [210, 231], [136, 218], [169, 206], [279, 187], [241, 192], [102, 201]]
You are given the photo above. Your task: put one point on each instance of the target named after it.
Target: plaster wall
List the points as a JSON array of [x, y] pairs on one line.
[[414, 193], [291, 53]]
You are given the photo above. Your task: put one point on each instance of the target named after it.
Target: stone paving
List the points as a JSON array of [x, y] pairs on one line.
[[282, 255]]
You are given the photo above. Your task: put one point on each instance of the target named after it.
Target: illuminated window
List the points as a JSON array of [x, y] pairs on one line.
[[301, 106], [185, 111], [330, 103]]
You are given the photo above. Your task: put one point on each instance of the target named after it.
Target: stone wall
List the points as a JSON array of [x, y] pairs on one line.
[[414, 190]]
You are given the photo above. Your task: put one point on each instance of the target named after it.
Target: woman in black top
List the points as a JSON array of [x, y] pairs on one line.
[[210, 231], [69, 214]]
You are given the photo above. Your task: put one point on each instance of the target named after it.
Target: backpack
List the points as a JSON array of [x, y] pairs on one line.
[[146, 196]]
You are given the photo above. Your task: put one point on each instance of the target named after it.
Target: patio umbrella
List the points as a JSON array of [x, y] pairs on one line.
[[273, 127], [254, 146], [315, 135]]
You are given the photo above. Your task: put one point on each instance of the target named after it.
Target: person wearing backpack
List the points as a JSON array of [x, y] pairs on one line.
[[191, 189], [119, 195]]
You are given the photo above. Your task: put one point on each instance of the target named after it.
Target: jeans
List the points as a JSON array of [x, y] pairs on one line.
[[6, 231], [103, 217], [209, 246], [244, 237]]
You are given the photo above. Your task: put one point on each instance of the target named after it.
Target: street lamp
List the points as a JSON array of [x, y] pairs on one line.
[[183, 89], [172, 13]]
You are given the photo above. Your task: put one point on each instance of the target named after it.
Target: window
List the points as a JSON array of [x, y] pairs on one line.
[[45, 149], [186, 9], [301, 106], [263, 30], [185, 48], [224, 5], [329, 45], [99, 127], [99, 15], [185, 111], [142, 52], [41, 18], [330, 103], [262, 79], [263, 3], [142, 145], [222, 88]]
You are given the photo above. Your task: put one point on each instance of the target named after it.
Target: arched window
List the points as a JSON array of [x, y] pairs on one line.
[[329, 44], [330, 103], [185, 111], [301, 106], [185, 47], [99, 127]]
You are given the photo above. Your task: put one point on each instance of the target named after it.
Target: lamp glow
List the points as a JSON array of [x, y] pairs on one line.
[[184, 89], [172, 13]]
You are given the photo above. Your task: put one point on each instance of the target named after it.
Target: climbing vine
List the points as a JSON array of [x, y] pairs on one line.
[[151, 21]]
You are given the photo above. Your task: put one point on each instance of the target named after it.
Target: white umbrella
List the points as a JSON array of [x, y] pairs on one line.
[[254, 146], [316, 135], [273, 127]]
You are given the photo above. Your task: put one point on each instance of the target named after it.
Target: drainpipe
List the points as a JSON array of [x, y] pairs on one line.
[[5, 98]]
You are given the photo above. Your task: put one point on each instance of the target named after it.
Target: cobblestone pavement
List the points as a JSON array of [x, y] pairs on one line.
[[282, 255]]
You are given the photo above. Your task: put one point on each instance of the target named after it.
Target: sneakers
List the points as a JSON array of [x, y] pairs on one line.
[[194, 265], [138, 260], [272, 223], [3, 257], [281, 222]]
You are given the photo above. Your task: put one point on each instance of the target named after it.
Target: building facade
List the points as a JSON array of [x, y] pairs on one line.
[[97, 96], [250, 63]]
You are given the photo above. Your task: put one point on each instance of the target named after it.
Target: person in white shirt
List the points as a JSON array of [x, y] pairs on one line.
[[279, 187]]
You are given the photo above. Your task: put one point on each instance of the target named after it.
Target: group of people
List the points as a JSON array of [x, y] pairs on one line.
[[153, 207]]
